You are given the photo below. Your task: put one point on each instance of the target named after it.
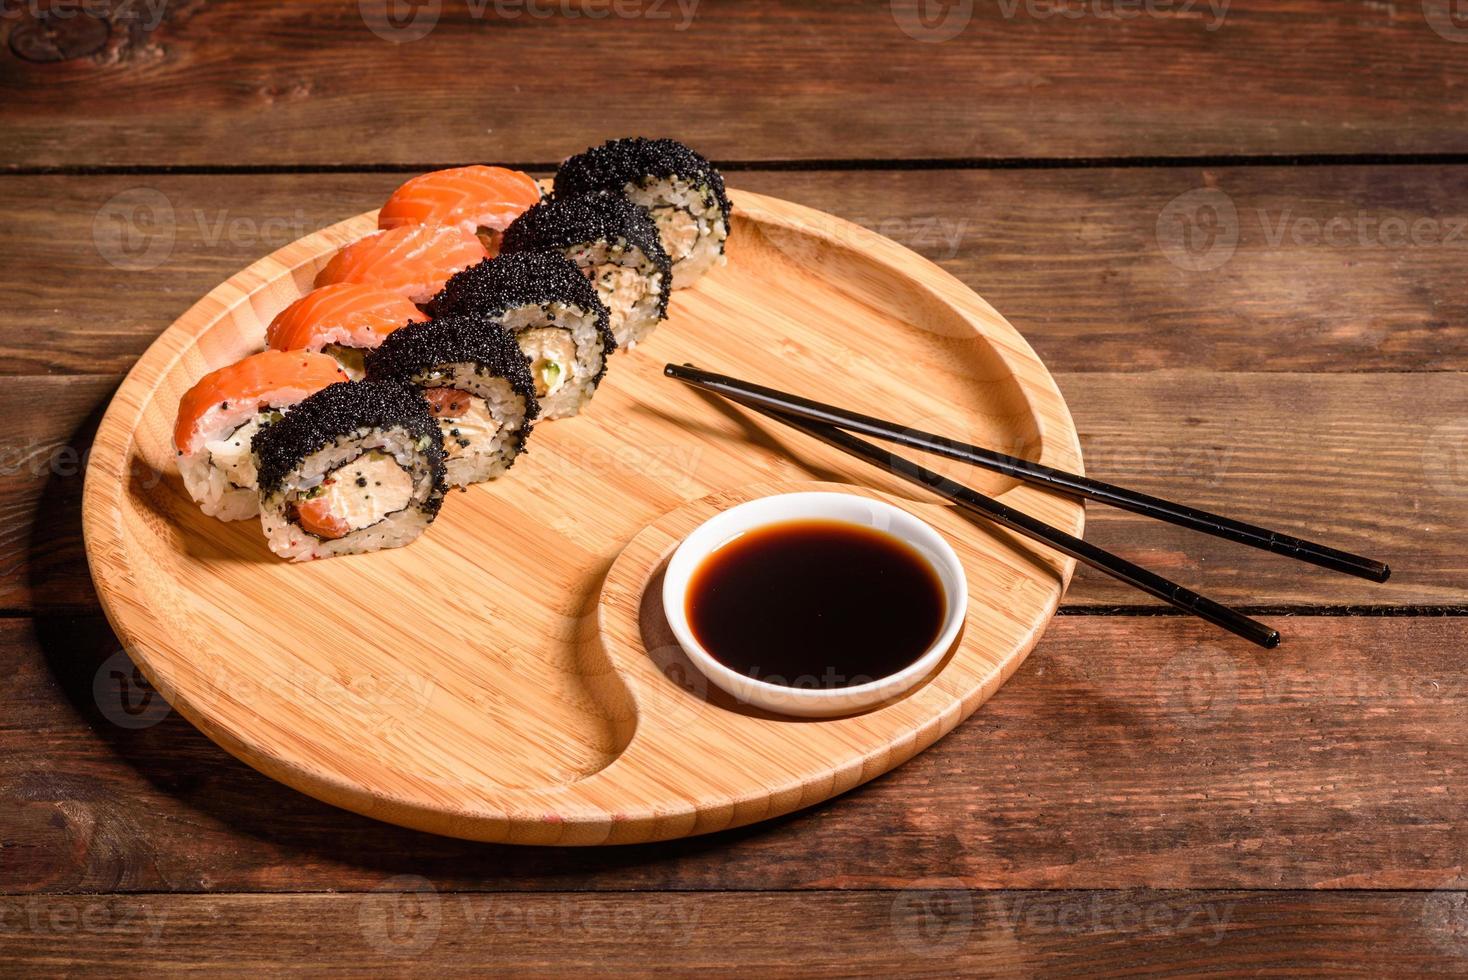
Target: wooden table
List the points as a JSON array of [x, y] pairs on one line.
[[1239, 243]]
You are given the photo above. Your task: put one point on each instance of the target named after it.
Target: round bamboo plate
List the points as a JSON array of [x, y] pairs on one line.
[[509, 677]]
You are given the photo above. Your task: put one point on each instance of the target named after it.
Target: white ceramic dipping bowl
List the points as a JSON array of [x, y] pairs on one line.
[[805, 701]]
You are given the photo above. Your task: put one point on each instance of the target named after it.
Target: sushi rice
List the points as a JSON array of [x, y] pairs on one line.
[[681, 190], [221, 478], [562, 327], [477, 387], [334, 466], [343, 321], [220, 415], [364, 458], [615, 244]]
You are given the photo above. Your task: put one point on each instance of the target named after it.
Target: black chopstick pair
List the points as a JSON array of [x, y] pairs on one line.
[[827, 422]]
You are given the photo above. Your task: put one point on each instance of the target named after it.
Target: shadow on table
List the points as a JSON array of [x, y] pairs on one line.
[[320, 844]]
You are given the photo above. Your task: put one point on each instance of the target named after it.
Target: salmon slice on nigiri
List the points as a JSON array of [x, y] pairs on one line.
[[478, 199], [413, 261], [219, 416], [344, 320]]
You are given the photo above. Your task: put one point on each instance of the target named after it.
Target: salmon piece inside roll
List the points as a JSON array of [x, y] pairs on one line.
[[553, 311], [476, 385]]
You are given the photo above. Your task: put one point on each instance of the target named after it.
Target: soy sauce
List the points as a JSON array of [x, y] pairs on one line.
[[815, 604]]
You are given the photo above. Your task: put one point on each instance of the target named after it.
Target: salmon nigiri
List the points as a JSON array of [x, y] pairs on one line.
[[414, 260], [219, 416], [345, 320], [481, 200]]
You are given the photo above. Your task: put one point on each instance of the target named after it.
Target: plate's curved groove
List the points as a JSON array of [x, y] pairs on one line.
[[500, 678]]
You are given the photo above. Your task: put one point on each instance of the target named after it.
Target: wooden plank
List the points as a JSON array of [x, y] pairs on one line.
[[1074, 258], [1125, 752], [1370, 463], [114, 260], [919, 932], [43, 457], [533, 80]]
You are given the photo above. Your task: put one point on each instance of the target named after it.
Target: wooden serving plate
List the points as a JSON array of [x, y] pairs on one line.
[[509, 676]]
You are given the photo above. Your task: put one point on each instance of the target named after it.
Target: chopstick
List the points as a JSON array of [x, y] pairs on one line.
[[758, 396], [1015, 520]]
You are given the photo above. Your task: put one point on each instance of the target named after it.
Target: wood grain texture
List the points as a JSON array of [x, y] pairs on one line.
[[926, 932], [309, 83], [1125, 752], [1323, 455], [505, 678], [1360, 461], [1072, 257]]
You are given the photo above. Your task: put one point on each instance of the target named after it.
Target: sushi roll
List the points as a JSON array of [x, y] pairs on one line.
[[476, 384], [344, 320], [414, 260], [554, 314], [356, 467], [615, 244], [219, 416], [683, 192], [480, 200]]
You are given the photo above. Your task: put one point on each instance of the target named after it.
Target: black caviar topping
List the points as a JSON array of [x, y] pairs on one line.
[[462, 338], [582, 219], [617, 163], [498, 285], [495, 286], [339, 410]]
